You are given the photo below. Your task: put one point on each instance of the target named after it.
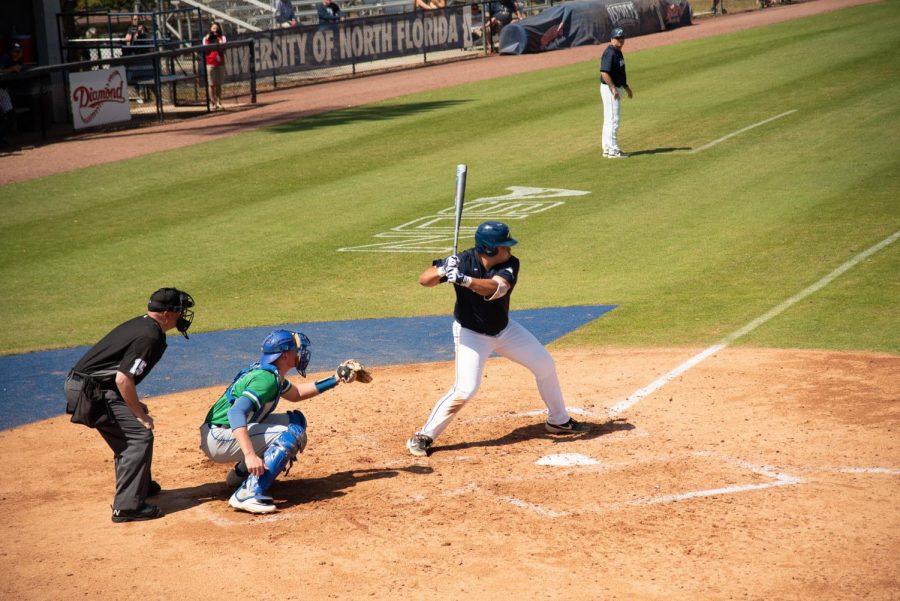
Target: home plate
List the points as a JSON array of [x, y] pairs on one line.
[[566, 460]]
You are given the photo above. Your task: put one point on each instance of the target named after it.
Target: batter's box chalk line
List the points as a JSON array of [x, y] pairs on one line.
[[776, 479], [246, 519]]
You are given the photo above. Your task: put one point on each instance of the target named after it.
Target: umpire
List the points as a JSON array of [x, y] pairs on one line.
[[101, 393]]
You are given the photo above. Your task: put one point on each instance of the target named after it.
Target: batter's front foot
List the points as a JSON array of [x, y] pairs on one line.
[[419, 445], [570, 427]]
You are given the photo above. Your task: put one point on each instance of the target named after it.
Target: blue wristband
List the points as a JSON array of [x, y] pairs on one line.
[[326, 384]]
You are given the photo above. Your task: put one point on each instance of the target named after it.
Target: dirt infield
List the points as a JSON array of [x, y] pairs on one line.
[[760, 474], [279, 107]]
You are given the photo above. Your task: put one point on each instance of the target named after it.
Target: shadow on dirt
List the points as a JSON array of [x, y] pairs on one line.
[[537, 431], [287, 493]]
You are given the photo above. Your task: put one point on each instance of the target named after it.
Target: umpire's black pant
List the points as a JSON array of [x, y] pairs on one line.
[[132, 446]]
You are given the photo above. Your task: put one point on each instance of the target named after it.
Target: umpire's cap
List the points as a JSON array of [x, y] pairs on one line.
[[618, 32], [170, 299]]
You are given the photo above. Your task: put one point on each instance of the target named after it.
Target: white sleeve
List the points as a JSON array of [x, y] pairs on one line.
[[502, 287]]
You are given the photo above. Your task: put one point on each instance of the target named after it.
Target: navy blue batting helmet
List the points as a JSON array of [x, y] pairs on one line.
[[490, 235], [283, 341], [617, 32]]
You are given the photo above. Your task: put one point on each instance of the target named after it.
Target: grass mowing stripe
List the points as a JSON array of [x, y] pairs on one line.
[[250, 224]]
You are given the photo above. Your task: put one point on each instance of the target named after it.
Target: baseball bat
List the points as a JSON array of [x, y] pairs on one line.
[[461, 171]]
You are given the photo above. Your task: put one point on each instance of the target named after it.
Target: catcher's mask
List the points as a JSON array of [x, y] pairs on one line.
[[283, 341], [173, 299], [491, 235]]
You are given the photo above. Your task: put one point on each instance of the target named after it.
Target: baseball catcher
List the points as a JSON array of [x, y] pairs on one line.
[[242, 426]]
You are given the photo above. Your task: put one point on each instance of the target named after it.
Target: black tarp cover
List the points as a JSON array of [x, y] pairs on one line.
[[586, 22]]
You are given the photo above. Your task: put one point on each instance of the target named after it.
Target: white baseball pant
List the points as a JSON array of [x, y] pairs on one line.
[[220, 445], [609, 136], [473, 349]]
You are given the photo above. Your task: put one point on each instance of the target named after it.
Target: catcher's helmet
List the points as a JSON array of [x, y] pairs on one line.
[[283, 341], [490, 235], [617, 32]]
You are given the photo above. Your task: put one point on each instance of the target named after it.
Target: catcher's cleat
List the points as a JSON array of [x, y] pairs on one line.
[[153, 488], [419, 445], [236, 476], [254, 504], [142, 513], [570, 427]]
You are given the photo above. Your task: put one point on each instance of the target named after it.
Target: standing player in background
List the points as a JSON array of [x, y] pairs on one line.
[[484, 278], [101, 393], [242, 427], [612, 81]]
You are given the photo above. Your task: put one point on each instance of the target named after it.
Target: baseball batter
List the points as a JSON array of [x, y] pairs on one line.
[[484, 278], [242, 427]]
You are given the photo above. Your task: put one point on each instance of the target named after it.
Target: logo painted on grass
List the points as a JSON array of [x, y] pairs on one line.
[[434, 233]]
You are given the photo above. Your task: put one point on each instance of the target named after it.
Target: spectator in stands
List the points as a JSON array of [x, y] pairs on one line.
[[504, 12], [285, 16], [429, 4], [328, 11], [136, 36], [10, 63], [215, 65]]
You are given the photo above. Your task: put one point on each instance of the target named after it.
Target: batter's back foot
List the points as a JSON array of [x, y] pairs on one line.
[[570, 427]]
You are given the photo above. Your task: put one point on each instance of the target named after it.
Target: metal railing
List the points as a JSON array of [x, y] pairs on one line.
[[161, 85]]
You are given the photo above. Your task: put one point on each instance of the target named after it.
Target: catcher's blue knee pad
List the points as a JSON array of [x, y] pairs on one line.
[[279, 455]]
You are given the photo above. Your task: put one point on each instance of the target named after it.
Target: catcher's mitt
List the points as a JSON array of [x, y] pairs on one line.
[[352, 370]]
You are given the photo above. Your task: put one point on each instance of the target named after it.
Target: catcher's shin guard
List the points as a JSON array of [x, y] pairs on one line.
[[278, 456]]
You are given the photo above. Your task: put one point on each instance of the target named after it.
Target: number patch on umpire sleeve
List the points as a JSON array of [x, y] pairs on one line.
[[138, 367]]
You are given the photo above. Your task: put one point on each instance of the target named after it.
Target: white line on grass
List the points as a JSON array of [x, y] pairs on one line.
[[646, 391], [740, 131]]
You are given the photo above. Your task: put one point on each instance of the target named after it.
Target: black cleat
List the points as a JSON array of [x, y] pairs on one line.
[[570, 427], [144, 512]]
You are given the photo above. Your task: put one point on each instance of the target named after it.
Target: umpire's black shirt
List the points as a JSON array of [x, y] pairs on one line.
[[474, 311], [132, 348], [613, 62]]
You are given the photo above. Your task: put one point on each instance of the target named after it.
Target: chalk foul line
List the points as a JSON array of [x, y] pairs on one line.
[[646, 391], [740, 131]]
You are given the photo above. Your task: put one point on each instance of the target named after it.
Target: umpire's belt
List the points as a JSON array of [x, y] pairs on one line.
[[77, 377]]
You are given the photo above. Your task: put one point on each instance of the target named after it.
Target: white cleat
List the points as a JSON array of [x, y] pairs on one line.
[[616, 154], [419, 445], [256, 504]]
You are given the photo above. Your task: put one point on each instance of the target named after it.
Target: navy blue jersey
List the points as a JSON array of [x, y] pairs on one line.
[[474, 311], [613, 62]]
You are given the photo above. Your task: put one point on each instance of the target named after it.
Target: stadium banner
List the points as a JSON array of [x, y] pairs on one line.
[[302, 48], [586, 22], [98, 97]]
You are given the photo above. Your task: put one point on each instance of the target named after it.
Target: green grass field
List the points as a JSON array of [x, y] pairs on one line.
[[690, 246]]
